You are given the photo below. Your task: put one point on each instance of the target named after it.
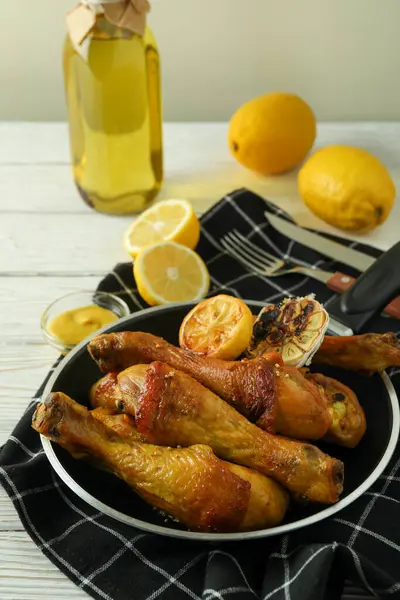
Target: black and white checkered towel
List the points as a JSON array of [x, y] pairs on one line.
[[113, 561]]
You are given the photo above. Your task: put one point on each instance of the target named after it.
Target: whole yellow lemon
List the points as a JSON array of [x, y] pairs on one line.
[[273, 133], [347, 187]]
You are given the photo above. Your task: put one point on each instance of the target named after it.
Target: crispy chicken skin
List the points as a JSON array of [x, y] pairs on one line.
[[290, 405], [105, 392], [369, 353], [120, 423], [300, 402], [171, 408], [348, 419], [190, 484]]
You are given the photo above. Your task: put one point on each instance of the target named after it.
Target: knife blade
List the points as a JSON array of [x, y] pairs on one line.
[[348, 256]]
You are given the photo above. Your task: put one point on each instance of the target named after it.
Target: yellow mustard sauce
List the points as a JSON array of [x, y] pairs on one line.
[[73, 326]]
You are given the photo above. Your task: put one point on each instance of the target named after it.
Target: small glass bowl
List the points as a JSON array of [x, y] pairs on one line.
[[79, 300]]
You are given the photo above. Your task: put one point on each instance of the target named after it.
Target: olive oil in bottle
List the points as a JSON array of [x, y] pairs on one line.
[[115, 117]]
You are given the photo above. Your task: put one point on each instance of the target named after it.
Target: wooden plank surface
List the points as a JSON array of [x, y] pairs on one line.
[[51, 243], [26, 574]]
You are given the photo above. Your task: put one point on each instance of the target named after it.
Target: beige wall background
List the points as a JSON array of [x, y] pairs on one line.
[[342, 56]]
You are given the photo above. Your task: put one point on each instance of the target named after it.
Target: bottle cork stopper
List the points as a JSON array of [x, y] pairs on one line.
[[127, 14]]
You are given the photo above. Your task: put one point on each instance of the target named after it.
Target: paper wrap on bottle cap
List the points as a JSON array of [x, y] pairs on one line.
[[128, 14]]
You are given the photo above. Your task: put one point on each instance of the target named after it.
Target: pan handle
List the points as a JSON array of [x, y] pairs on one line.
[[375, 288]]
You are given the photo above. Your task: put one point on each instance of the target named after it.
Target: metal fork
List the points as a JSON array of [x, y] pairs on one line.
[[263, 263]]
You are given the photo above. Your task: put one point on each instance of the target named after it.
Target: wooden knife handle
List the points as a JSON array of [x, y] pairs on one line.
[[339, 282]]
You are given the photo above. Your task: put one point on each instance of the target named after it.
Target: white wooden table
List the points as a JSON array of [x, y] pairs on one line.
[[51, 243]]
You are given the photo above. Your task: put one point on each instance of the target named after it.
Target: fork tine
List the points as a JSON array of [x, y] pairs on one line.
[[255, 247], [249, 248], [239, 248], [233, 247], [232, 250], [255, 262]]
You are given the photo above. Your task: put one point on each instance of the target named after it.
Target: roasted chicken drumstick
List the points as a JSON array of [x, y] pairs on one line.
[[289, 405], [348, 423], [173, 409], [347, 418], [368, 353], [191, 484]]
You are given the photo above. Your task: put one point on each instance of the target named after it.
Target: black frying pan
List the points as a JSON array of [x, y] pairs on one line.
[[363, 465]]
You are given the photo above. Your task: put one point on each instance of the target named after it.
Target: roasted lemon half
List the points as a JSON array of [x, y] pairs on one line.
[[220, 327]]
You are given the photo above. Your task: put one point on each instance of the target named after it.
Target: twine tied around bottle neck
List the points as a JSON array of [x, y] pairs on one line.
[[128, 14]]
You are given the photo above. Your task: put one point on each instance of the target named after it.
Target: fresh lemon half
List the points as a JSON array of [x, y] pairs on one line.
[[220, 327], [169, 220], [168, 272]]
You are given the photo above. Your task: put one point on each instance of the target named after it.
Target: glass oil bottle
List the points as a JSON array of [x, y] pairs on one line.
[[115, 117]]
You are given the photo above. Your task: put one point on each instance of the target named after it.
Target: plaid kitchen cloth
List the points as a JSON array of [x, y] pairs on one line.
[[113, 561]]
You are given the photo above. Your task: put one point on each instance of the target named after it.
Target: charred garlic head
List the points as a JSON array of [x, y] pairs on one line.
[[295, 328]]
